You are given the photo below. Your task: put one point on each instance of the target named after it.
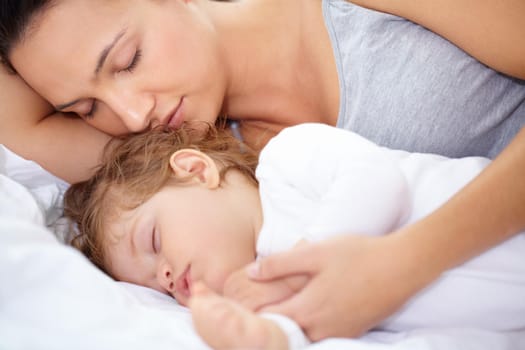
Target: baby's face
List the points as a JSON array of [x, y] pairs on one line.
[[180, 235]]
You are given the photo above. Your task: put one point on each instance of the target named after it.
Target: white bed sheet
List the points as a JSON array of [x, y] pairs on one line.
[[51, 297]]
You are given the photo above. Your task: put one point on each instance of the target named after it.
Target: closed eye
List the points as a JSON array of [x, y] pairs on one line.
[[133, 64], [92, 111], [155, 241]]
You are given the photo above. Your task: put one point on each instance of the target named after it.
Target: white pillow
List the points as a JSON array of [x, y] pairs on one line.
[[46, 189], [52, 297]]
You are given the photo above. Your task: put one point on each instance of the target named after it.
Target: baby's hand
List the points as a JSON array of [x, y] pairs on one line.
[[240, 327], [255, 295]]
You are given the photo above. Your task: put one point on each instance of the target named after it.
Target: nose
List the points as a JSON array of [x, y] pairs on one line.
[[165, 277], [135, 110]]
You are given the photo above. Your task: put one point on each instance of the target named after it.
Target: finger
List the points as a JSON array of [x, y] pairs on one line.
[[296, 283], [298, 261], [294, 308], [204, 299], [261, 295], [200, 289]]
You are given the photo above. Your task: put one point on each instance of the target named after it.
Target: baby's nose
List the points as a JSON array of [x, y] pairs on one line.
[[165, 278]]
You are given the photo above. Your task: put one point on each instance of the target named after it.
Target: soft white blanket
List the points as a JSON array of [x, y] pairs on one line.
[[51, 297]]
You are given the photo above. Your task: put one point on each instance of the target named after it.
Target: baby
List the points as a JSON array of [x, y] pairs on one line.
[[183, 211]]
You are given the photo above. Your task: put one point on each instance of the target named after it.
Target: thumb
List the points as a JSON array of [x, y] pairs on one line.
[[200, 289], [293, 262], [292, 307]]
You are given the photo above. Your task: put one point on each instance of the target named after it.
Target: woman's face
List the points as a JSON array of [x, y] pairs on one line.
[[126, 65]]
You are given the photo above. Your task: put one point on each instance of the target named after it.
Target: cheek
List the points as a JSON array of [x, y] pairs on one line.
[[187, 51], [178, 65], [211, 267], [215, 280], [219, 268]]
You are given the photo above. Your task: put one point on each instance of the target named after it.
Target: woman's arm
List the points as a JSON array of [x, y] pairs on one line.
[[64, 145], [487, 211], [356, 281], [491, 31]]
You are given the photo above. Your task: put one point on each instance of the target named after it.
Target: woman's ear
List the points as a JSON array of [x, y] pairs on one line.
[[192, 165]]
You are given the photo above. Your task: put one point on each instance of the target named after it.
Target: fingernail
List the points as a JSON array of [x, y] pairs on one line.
[[253, 269]]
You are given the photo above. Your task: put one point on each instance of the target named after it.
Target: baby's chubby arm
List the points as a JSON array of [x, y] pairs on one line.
[[370, 197], [336, 181]]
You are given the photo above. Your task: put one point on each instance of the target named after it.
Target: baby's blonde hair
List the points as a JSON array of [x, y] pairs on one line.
[[134, 168]]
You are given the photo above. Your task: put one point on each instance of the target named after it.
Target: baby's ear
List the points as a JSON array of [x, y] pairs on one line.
[[192, 165]]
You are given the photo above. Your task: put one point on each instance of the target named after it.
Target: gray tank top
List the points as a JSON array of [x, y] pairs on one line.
[[405, 87]]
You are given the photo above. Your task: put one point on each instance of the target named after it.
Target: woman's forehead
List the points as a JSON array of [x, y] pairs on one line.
[[62, 49], [76, 11], [73, 22]]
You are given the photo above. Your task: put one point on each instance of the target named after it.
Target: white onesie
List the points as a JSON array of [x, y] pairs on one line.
[[317, 181]]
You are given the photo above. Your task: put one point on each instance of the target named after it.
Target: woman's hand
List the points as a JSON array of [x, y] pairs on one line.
[[255, 295], [354, 282]]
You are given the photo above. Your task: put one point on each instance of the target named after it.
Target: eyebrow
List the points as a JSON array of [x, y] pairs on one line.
[[100, 64], [105, 53], [63, 106]]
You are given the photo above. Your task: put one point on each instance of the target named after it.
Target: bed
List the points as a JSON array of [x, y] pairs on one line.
[[51, 297]]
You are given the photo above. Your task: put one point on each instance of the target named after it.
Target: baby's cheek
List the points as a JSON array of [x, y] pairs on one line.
[[216, 273], [216, 280]]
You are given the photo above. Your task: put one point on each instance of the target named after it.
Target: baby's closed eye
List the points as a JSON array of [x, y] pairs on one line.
[[155, 240]]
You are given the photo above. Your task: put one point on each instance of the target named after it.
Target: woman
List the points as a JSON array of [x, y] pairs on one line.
[[128, 65]]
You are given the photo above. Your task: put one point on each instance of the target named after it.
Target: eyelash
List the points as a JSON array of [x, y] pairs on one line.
[[134, 62], [153, 241], [90, 114]]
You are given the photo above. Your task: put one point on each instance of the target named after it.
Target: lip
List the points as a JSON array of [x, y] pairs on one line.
[[183, 283], [176, 117]]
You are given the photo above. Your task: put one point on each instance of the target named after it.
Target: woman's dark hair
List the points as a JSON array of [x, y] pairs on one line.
[[16, 19]]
